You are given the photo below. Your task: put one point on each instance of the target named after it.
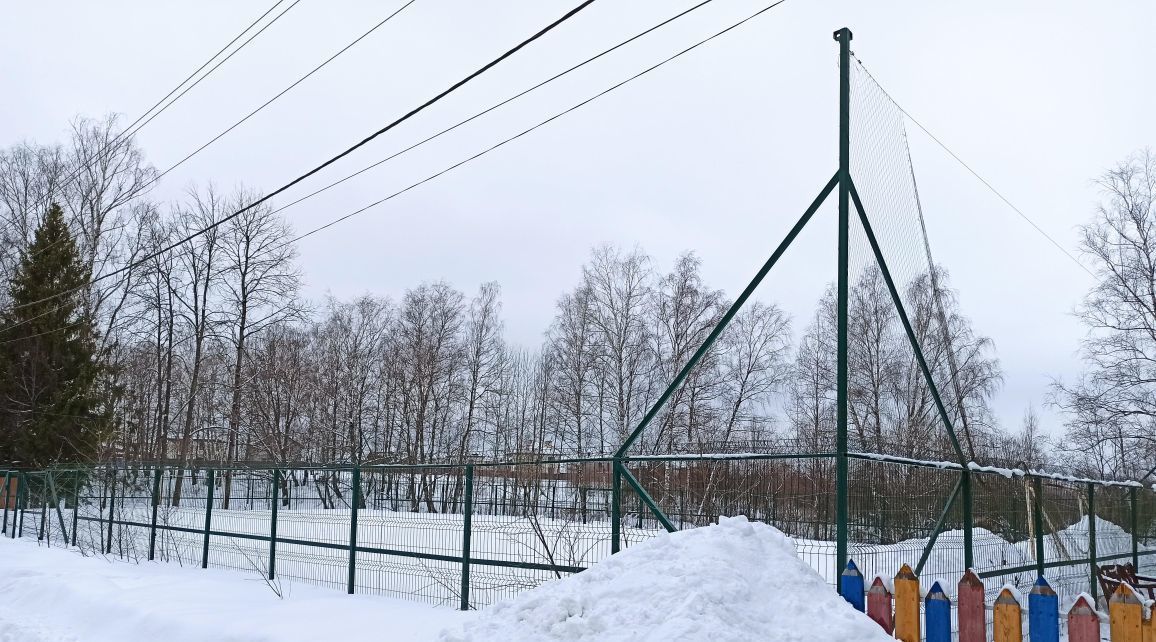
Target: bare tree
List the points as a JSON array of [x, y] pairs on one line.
[[1112, 406]]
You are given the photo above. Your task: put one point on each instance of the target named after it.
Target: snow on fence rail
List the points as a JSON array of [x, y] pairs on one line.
[[468, 535]]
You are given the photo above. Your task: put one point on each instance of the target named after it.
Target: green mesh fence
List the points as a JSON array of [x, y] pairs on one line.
[[471, 535]]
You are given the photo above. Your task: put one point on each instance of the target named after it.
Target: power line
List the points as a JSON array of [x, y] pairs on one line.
[[524, 132], [279, 94], [323, 165], [125, 135], [974, 173], [493, 107], [530, 129]]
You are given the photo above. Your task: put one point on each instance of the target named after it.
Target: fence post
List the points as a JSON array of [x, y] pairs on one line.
[[937, 609], [1038, 522], [353, 528], [1083, 623], [75, 504], [1043, 613], [968, 521], [907, 627], [273, 524], [616, 508], [7, 498], [1135, 529], [466, 531], [211, 480], [22, 502], [1092, 580], [153, 520], [111, 507]]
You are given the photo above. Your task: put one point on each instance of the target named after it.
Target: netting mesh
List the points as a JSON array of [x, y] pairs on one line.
[[892, 409]]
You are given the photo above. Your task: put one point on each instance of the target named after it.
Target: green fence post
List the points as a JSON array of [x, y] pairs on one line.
[[968, 520], [273, 524], [1135, 529], [43, 515], [616, 508], [7, 498], [842, 475], [153, 521], [1092, 580], [211, 480], [353, 528], [75, 504], [21, 501], [1038, 521], [467, 525], [111, 508]]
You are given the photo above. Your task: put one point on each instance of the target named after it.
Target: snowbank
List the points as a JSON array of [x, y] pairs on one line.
[[738, 580], [53, 595]]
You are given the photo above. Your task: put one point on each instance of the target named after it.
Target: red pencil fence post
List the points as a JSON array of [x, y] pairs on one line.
[[879, 605], [972, 619], [1083, 623]]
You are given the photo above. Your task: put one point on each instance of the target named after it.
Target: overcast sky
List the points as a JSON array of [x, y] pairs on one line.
[[717, 152]]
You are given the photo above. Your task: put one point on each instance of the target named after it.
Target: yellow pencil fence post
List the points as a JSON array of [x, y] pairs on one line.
[[1125, 615], [1148, 628], [1007, 624], [906, 605]]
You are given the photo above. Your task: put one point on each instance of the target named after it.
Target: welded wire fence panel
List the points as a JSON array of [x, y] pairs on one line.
[[461, 534]]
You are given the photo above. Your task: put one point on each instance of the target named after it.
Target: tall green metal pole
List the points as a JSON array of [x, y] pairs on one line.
[[7, 498], [616, 507], [1038, 522], [843, 36], [1135, 529]]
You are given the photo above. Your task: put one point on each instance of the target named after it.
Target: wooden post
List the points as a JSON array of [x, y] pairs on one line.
[[1148, 628], [1083, 623], [851, 588], [1125, 615], [907, 606], [879, 605], [1007, 625], [972, 618], [938, 613], [1043, 613]]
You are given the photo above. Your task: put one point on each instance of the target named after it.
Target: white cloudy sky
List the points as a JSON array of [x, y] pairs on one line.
[[717, 152]]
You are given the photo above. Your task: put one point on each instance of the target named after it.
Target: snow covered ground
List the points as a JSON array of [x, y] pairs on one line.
[[736, 581], [55, 595]]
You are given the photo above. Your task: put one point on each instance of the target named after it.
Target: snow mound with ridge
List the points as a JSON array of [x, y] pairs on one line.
[[737, 580]]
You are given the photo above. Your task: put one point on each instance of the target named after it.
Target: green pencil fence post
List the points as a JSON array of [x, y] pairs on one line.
[[153, 520], [211, 480], [7, 498], [273, 524], [111, 507], [467, 525], [1092, 580], [1135, 529], [75, 504], [353, 529], [1038, 522], [616, 508]]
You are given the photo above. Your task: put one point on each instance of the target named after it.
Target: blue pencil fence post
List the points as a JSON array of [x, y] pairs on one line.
[[1043, 613], [937, 609], [852, 588]]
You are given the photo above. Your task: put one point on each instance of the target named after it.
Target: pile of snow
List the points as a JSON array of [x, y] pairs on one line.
[[738, 580]]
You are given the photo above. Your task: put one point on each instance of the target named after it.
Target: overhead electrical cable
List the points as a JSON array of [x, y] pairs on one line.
[[318, 168]]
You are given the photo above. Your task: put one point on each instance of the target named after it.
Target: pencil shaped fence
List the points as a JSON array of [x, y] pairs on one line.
[[900, 608]]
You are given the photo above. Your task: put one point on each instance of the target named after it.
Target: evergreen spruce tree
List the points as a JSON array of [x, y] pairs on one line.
[[49, 408]]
